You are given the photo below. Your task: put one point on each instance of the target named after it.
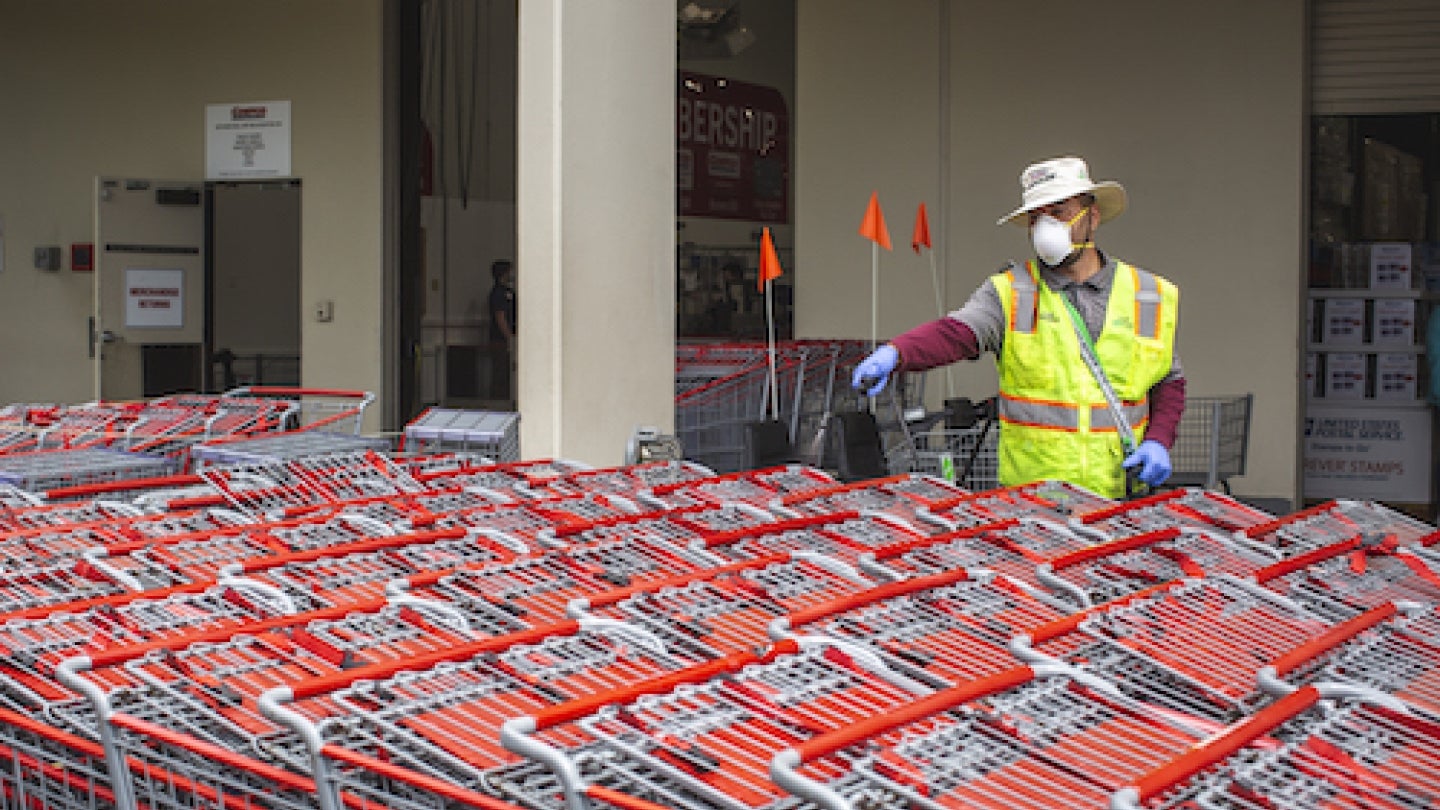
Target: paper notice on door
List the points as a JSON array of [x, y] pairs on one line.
[[154, 298]]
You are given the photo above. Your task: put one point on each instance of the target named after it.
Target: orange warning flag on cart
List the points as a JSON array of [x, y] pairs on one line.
[[769, 260], [873, 226], [922, 230]]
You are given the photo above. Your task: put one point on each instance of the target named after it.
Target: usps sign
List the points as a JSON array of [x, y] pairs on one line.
[[154, 298], [249, 139]]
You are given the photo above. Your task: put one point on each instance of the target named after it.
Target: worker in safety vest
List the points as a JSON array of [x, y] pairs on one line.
[[1054, 419]]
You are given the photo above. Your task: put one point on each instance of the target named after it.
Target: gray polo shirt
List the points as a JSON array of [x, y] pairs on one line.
[[985, 316]]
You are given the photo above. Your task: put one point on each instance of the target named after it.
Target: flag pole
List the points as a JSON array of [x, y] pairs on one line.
[[940, 313], [874, 295], [770, 332]]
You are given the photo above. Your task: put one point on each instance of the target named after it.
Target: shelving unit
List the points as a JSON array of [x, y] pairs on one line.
[[1368, 426]]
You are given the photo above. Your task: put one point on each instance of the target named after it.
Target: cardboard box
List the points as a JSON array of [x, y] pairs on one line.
[[1344, 323], [1394, 322], [1397, 377], [1390, 264], [1345, 375], [1392, 194]]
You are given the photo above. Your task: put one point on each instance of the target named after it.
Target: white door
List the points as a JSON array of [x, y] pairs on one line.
[[149, 286]]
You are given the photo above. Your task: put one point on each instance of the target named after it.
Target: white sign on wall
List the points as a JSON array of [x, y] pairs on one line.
[[1368, 454], [154, 298], [251, 139]]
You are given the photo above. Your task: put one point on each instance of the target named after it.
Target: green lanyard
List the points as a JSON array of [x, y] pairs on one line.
[[1092, 359]]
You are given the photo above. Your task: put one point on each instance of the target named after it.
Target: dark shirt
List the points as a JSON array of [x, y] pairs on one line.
[[502, 301]]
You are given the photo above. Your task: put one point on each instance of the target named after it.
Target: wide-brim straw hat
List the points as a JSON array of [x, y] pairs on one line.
[[1051, 181]]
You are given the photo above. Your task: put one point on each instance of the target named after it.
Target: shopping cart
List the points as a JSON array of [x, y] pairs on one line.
[[1043, 735], [1110, 570], [1199, 508], [1299, 753], [1338, 520], [1212, 442], [495, 435], [942, 629]]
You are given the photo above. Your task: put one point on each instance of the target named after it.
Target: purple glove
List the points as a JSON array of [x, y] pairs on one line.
[[1153, 460], [877, 366]]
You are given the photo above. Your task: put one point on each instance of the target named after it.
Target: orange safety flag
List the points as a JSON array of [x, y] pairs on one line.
[[922, 230], [873, 226], [769, 260]]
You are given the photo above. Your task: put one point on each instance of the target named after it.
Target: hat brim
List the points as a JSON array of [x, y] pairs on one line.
[[1109, 198]]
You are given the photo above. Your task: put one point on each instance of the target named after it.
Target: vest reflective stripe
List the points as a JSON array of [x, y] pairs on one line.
[[1056, 415], [1135, 414], [1147, 304], [1023, 300]]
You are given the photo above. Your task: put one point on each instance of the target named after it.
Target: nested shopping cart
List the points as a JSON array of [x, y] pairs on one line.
[[1338, 520], [710, 730], [1043, 735], [942, 629], [1323, 746], [1013, 547], [1058, 500], [907, 497], [1347, 578], [843, 536], [1207, 637], [441, 715], [1200, 508], [1106, 571], [731, 607]]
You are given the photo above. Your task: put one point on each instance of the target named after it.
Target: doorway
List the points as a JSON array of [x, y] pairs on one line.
[[197, 286], [254, 281]]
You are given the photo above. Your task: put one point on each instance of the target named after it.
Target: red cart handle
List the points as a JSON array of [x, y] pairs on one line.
[[1110, 549], [729, 536], [461, 652], [1281, 522], [1309, 558], [870, 596], [892, 550], [429, 784], [570, 711], [1107, 512], [833, 741], [610, 597], [615, 798], [1334, 637], [1069, 624], [1209, 752]]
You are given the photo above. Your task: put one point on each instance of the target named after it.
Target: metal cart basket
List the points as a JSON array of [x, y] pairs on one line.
[[1210, 446]]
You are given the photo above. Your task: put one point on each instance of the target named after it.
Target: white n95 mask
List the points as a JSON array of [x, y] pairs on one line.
[[1051, 238]]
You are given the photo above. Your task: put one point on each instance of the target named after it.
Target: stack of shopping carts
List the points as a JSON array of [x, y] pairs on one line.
[[357, 629]]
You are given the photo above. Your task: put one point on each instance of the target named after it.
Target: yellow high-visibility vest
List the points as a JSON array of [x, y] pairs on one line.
[[1054, 423]]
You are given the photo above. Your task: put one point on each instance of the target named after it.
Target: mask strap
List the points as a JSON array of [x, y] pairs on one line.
[[1074, 246]]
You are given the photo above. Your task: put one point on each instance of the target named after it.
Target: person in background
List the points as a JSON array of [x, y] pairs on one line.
[[1054, 419], [502, 313]]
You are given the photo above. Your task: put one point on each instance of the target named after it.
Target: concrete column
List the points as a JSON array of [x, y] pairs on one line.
[[596, 224]]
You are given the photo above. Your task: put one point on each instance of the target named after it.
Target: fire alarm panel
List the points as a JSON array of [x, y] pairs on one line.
[[82, 257]]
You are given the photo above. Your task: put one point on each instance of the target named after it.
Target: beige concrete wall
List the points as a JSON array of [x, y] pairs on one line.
[[119, 87], [1196, 108]]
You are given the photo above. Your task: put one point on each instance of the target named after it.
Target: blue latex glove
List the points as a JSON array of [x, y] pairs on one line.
[[1153, 460], [878, 365]]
